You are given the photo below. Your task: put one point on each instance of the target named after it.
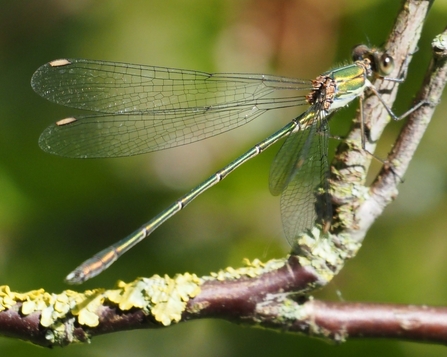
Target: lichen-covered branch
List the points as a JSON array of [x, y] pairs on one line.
[[359, 206], [272, 295], [59, 319]]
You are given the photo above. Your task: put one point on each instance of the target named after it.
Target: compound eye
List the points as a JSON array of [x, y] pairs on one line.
[[386, 64], [360, 52]]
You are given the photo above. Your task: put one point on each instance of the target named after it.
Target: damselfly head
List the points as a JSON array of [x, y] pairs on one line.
[[382, 64]]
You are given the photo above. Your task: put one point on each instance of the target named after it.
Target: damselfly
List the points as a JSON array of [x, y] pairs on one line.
[[139, 109]]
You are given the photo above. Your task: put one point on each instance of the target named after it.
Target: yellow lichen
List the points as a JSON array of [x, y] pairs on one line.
[[87, 306], [326, 254], [171, 300], [251, 269], [164, 298]]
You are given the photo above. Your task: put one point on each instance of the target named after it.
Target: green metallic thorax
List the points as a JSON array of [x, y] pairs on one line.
[[350, 82]]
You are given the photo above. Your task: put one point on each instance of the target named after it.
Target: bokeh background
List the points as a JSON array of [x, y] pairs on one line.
[[56, 212]]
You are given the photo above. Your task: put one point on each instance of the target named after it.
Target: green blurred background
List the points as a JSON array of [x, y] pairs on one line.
[[56, 212]]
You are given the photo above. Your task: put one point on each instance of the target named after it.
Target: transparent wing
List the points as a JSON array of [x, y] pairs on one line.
[[300, 172], [145, 108], [116, 135], [293, 153]]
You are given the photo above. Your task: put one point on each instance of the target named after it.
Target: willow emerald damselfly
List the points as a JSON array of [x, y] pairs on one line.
[[139, 109]]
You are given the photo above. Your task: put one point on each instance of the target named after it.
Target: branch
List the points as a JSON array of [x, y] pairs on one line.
[[260, 295], [273, 294], [359, 206]]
